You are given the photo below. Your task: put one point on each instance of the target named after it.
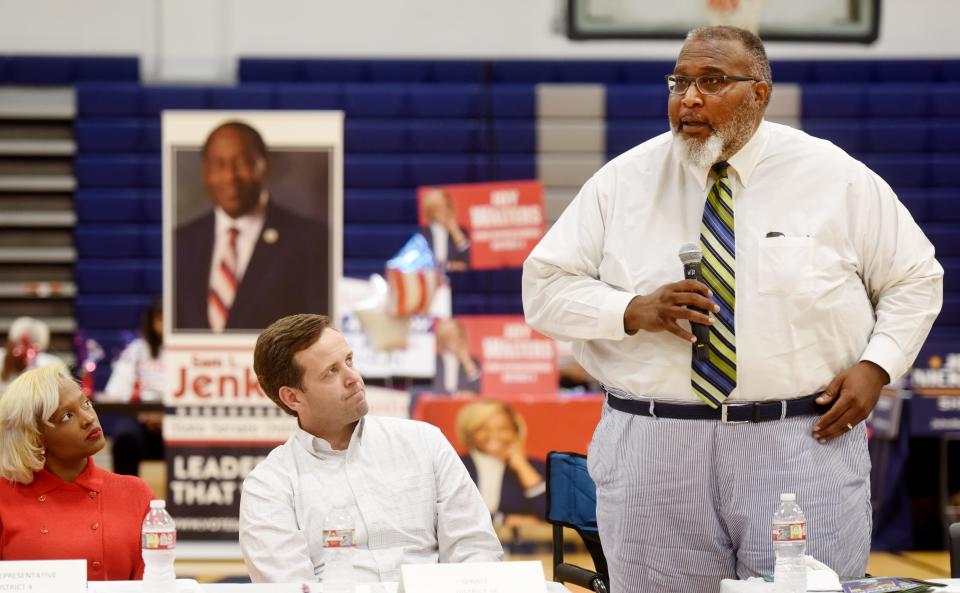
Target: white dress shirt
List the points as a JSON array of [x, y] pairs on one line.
[[248, 233], [410, 494], [853, 278]]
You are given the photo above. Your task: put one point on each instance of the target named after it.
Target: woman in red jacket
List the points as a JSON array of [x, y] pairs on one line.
[[55, 504]]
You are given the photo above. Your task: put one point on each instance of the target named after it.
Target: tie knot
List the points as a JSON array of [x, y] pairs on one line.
[[721, 168], [232, 233]]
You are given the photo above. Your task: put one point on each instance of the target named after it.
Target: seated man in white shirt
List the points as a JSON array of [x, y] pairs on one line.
[[411, 497]]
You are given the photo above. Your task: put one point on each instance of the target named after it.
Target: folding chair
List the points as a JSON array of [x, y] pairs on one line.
[[571, 502]]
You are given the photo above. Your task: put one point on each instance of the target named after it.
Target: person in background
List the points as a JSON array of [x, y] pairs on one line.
[[138, 376], [55, 503], [27, 342], [511, 485], [410, 496], [458, 371], [449, 241]]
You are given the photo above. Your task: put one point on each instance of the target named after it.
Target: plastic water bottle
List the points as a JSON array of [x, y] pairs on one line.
[[338, 549], [158, 542], [789, 546]]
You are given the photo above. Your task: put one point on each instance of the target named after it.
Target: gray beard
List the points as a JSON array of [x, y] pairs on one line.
[[723, 143]]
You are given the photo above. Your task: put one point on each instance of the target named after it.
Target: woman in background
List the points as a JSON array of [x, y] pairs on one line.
[[510, 484], [55, 503], [138, 376]]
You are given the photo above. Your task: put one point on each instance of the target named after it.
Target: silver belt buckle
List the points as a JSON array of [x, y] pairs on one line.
[[723, 414]]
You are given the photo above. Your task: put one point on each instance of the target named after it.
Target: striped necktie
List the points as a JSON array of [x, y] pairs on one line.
[[223, 287], [715, 378]]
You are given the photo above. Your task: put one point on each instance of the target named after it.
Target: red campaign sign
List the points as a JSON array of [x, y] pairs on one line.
[[482, 225], [513, 358], [551, 423]]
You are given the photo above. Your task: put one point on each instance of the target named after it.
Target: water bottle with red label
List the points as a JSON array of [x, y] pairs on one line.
[[339, 544], [158, 542], [789, 546]]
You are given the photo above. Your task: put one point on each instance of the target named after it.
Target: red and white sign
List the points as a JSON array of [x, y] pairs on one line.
[[513, 357]]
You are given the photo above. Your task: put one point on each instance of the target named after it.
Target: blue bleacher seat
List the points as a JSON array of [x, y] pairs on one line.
[[945, 136], [152, 134], [41, 70], [636, 101], [523, 71], [944, 171], [841, 71], [3, 70], [108, 99], [474, 71], [110, 170], [380, 206], [513, 100], [907, 70], [896, 100], [107, 68], [645, 72], [449, 136], [334, 71], [104, 276], [269, 70], [308, 96], [159, 98], [951, 274], [942, 205], [832, 101], [97, 206], [436, 169], [363, 268], [375, 100], [792, 71], [109, 135], [846, 135], [151, 171], [364, 171], [882, 136], [588, 71], [900, 171], [512, 167], [622, 135], [397, 70], [945, 100], [375, 241], [250, 96], [118, 241], [110, 312], [514, 136], [445, 100], [945, 238], [375, 136]]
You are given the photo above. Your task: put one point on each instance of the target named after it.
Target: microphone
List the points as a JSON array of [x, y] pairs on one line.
[[690, 256]]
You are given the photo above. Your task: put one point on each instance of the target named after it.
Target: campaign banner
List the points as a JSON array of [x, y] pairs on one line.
[[503, 443], [935, 383], [493, 355], [482, 226], [252, 232]]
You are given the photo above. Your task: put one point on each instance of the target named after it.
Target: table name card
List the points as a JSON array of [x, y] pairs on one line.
[[473, 577], [43, 576]]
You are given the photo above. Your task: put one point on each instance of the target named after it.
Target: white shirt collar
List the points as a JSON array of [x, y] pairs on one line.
[[321, 448], [743, 163]]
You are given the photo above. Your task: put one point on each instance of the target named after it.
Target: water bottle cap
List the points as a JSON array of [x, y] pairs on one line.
[[788, 497], [158, 504]]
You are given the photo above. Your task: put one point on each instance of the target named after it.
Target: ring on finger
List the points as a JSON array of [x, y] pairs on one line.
[[849, 426]]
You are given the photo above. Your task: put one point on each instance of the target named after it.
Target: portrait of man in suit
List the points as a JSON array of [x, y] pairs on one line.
[[458, 371], [249, 259], [449, 241]]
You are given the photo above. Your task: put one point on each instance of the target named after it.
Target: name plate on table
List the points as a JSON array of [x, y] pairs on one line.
[[43, 576], [473, 577]]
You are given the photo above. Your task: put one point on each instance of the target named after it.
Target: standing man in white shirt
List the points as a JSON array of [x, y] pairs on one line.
[[818, 289], [410, 495]]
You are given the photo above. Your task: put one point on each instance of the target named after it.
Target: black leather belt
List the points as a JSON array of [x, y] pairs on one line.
[[729, 412]]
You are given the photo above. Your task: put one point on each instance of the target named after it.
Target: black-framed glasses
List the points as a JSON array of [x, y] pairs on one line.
[[708, 84]]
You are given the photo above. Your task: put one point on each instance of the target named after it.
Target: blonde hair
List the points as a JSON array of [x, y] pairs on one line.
[[29, 400], [473, 415]]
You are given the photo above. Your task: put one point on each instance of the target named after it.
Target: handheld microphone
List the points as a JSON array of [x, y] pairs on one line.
[[691, 256]]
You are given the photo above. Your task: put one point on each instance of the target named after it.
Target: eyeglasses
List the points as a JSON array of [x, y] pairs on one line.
[[708, 84]]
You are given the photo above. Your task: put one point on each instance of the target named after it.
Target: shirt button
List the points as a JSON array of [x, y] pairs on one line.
[[42, 497], [44, 530], [95, 526], [96, 564], [93, 495]]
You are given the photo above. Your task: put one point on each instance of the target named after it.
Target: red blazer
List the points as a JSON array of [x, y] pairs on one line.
[[97, 518]]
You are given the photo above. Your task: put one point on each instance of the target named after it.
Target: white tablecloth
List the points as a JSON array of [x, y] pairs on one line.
[[758, 586], [189, 586]]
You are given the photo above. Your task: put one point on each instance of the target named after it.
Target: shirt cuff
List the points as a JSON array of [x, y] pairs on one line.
[[612, 308], [884, 352], [535, 491]]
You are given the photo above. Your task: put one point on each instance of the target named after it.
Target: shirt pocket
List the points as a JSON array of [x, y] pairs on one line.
[[785, 265]]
